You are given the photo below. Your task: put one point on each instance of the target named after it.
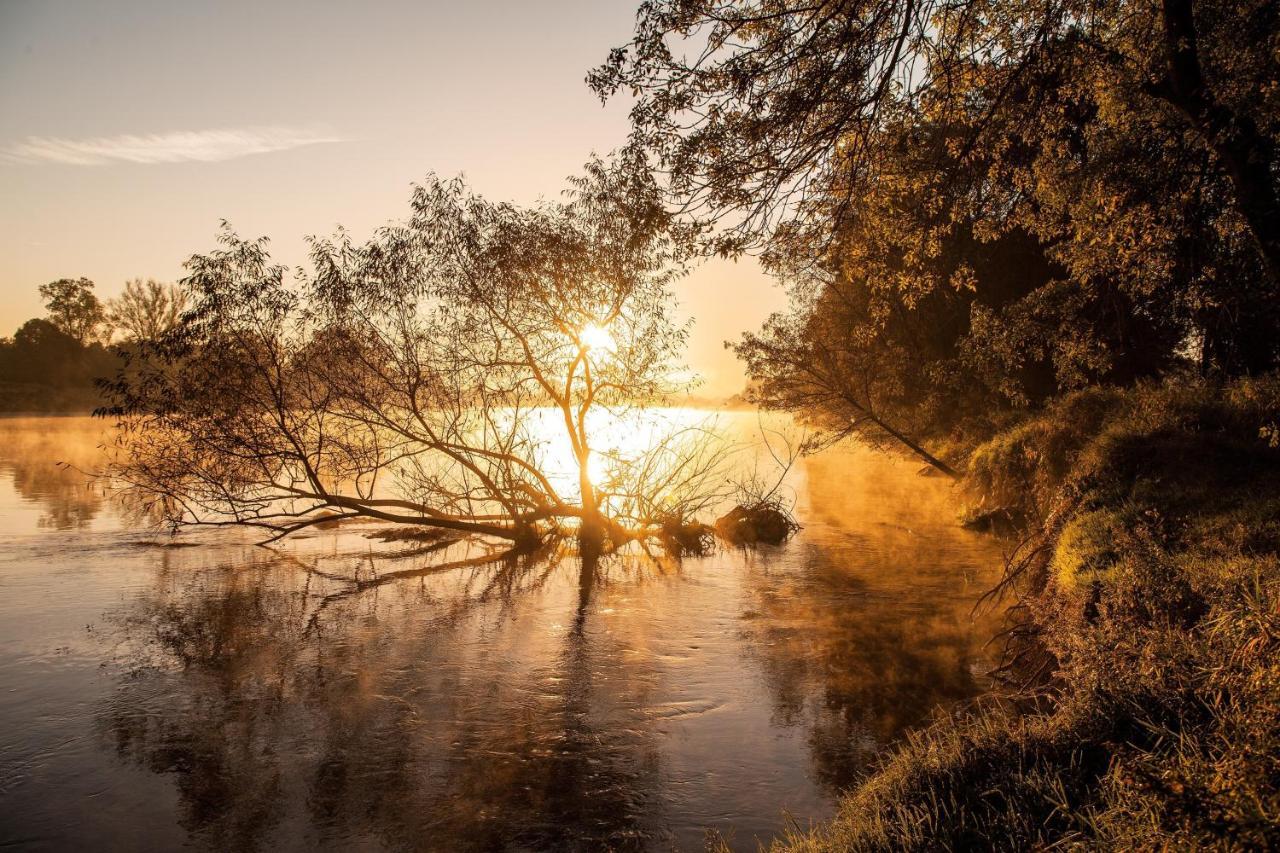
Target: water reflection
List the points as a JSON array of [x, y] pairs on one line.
[[347, 692], [865, 637], [856, 678], [43, 460], [439, 715]]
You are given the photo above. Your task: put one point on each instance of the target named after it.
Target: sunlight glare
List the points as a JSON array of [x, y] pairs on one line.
[[598, 469], [596, 337]]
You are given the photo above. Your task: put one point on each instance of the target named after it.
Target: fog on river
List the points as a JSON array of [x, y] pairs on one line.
[[201, 690]]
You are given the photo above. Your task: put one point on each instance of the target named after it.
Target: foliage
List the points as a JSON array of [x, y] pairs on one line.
[[422, 377], [977, 206], [1019, 231], [74, 309], [42, 369], [769, 112], [146, 310], [1163, 719]]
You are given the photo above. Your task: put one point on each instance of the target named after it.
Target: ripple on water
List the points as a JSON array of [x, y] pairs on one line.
[[203, 692]]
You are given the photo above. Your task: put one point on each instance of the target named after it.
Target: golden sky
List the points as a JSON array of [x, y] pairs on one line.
[[129, 130]]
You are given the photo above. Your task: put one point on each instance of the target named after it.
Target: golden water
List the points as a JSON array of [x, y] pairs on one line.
[[227, 696]]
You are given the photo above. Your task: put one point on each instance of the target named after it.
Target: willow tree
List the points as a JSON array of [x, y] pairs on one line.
[[427, 376]]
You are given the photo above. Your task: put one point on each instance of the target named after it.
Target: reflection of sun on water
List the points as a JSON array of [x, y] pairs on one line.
[[617, 441]]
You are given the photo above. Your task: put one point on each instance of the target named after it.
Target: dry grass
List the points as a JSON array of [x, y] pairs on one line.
[[1158, 598]]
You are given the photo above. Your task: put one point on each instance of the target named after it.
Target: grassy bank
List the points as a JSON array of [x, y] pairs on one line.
[[1147, 658]]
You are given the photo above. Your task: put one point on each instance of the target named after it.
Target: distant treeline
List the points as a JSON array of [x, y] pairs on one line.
[[51, 363]]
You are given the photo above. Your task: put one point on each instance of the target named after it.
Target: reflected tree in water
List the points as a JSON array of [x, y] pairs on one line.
[[377, 731], [856, 681], [47, 465]]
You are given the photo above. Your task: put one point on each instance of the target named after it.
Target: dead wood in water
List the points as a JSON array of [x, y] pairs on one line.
[[766, 523]]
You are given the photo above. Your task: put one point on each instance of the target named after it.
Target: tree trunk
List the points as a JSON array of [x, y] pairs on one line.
[[918, 450], [1245, 153], [594, 529]]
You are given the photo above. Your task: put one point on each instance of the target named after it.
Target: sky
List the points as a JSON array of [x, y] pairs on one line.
[[129, 130]]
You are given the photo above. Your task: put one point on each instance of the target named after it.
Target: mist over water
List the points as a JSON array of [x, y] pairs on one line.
[[200, 690]]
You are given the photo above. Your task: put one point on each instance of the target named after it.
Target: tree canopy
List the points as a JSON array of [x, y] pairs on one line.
[[146, 309], [422, 377], [979, 205], [74, 308], [52, 362]]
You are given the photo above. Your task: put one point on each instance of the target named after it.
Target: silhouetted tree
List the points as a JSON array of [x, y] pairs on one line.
[[42, 368], [419, 378], [74, 308], [760, 109], [146, 310], [978, 205]]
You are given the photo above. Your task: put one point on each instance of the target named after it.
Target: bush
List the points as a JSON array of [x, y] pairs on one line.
[[1086, 548]]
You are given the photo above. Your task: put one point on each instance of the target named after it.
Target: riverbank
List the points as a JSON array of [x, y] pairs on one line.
[[30, 398], [1144, 707]]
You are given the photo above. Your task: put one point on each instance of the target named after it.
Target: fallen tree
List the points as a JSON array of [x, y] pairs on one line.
[[428, 377]]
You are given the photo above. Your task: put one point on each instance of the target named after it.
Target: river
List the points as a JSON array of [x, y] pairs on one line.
[[158, 692]]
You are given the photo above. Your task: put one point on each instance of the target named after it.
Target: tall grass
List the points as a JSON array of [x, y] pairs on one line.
[[1150, 584]]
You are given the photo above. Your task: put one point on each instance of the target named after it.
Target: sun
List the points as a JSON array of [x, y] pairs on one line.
[[595, 337]]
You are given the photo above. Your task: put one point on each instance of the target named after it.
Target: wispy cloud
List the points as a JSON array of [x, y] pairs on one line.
[[203, 146]]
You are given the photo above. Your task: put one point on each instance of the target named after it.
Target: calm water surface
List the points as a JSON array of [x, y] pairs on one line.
[[201, 691]]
